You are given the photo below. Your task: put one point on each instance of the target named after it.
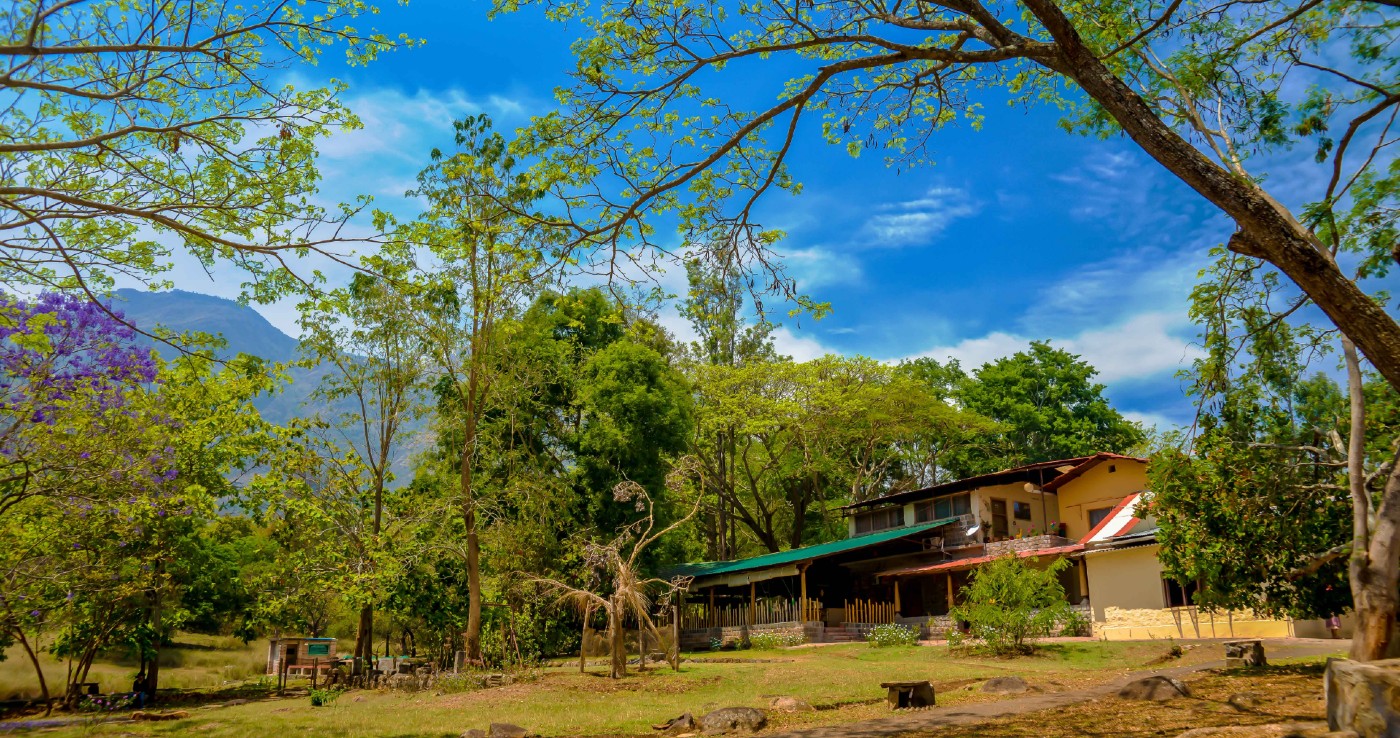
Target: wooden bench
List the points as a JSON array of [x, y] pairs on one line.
[[1244, 653], [903, 695]]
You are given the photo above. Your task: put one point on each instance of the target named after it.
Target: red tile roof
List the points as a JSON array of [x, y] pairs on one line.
[[957, 564]]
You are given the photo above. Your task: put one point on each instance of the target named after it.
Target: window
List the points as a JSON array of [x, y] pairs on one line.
[[1097, 516], [1176, 594], [890, 517], [943, 507], [1021, 510]]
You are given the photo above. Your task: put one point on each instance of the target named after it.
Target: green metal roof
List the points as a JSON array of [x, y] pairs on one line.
[[807, 553]]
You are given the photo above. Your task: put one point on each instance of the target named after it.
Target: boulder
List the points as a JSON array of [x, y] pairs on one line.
[[683, 724], [474, 733], [733, 720], [790, 704], [1005, 685], [1155, 688], [1363, 697], [506, 730]]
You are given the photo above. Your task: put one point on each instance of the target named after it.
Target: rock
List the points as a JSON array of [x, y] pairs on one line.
[[235, 703], [1363, 697], [474, 733], [1155, 688], [1005, 685], [683, 724], [1244, 701], [159, 716], [790, 704], [506, 730], [733, 720]]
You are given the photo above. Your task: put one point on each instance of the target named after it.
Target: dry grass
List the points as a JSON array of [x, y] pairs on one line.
[[843, 681], [1277, 694], [196, 662]]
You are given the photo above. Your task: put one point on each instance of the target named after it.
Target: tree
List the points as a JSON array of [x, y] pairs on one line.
[[486, 259], [132, 125], [375, 363], [715, 308], [1011, 602], [1048, 406], [620, 588], [1274, 437]]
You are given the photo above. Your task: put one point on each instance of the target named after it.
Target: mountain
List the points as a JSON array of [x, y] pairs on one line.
[[244, 330]]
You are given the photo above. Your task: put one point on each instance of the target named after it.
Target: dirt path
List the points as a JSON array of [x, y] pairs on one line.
[[925, 720]]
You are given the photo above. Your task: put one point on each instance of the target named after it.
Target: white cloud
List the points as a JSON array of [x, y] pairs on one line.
[[800, 348], [1152, 420], [920, 220], [1142, 347], [818, 266]]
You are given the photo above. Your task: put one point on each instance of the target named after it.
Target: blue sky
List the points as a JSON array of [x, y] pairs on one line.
[[1019, 232]]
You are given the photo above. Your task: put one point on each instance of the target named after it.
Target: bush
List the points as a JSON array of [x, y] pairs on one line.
[[893, 634], [1010, 604], [325, 697], [771, 641]]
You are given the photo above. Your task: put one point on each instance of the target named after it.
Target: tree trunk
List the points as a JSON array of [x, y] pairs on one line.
[[618, 640], [364, 637], [1266, 229], [153, 672], [1375, 572], [38, 671]]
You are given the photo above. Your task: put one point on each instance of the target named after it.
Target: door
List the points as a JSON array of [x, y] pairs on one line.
[[1000, 528]]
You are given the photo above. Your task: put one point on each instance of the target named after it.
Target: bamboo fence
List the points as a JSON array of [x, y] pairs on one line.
[[869, 611], [763, 612]]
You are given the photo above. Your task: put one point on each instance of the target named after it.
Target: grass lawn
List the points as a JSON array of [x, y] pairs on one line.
[[841, 681]]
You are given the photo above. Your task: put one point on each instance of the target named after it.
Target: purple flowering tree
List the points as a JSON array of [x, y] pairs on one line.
[[67, 368]]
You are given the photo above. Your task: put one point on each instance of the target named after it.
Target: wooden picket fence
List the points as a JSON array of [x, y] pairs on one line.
[[763, 612], [869, 611]]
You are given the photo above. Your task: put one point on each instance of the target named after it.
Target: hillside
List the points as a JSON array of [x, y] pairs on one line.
[[244, 330]]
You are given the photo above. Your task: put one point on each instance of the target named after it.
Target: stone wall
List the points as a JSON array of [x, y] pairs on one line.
[[1186, 622], [699, 639], [1017, 545]]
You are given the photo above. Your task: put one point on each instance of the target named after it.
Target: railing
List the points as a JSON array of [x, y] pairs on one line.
[[869, 611], [763, 612]]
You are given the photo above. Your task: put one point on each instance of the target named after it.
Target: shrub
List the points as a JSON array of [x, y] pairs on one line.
[[893, 634], [325, 697], [770, 641], [1010, 604]]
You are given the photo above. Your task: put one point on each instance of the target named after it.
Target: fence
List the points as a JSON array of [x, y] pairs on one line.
[[758, 613], [869, 611]]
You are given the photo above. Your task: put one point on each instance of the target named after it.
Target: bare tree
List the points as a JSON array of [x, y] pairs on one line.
[[619, 588]]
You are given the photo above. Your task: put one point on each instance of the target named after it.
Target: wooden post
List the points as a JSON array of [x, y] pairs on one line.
[[950, 591], [897, 608], [802, 575], [675, 638], [712, 617], [583, 642], [315, 667], [753, 602]]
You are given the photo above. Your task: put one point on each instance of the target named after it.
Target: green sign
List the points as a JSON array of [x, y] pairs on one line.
[[318, 649]]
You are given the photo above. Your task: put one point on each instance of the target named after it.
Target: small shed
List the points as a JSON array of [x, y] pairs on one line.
[[300, 654]]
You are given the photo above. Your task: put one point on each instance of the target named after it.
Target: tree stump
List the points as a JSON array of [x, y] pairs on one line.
[[903, 695], [1247, 653]]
